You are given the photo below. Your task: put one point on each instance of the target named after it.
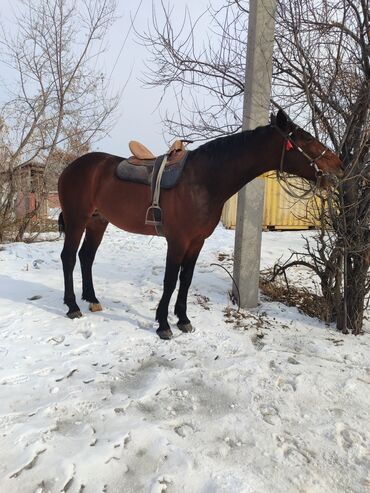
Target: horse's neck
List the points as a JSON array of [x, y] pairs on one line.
[[259, 154]]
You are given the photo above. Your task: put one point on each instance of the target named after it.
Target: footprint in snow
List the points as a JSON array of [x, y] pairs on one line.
[[156, 270], [286, 384], [86, 334], [184, 430], [348, 438], [294, 450], [270, 414], [256, 341], [296, 456], [15, 380], [148, 326]]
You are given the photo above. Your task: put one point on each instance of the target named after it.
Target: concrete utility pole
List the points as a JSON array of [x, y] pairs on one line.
[[258, 74]]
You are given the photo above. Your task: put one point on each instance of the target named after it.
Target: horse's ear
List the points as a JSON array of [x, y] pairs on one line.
[[283, 121], [272, 119]]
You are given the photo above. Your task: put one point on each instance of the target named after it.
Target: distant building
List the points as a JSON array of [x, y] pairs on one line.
[[29, 190], [53, 200]]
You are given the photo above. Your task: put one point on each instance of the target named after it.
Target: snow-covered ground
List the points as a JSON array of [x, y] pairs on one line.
[[272, 401]]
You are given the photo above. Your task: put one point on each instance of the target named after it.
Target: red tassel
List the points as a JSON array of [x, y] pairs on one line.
[[288, 145]]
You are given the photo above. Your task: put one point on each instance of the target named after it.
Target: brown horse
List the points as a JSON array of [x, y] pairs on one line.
[[91, 196]]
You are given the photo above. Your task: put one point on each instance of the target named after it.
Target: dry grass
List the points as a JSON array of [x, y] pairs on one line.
[[302, 298], [10, 231], [307, 302]]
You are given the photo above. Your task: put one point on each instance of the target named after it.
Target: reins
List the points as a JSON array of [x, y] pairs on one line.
[[288, 144]]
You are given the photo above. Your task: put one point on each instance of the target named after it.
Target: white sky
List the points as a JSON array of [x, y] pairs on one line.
[[138, 115]]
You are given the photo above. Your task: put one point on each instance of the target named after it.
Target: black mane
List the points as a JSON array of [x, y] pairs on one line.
[[230, 143]]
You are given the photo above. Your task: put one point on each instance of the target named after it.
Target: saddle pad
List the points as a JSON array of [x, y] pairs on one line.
[[143, 173]]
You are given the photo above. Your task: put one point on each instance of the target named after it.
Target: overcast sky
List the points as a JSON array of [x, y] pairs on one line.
[[138, 116]]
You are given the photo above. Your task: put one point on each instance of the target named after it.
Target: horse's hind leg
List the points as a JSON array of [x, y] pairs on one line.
[[95, 230], [73, 234], [186, 276]]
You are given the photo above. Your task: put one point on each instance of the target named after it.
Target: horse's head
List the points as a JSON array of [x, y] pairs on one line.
[[303, 155]]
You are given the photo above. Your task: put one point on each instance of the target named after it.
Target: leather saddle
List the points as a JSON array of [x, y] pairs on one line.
[[143, 165]]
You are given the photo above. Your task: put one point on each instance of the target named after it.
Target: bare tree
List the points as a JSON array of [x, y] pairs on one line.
[[56, 95], [205, 73], [321, 74], [322, 71]]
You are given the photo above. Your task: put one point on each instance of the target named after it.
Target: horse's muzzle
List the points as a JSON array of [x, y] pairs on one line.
[[329, 181], [340, 171]]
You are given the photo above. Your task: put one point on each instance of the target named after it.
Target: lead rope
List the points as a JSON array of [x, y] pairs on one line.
[[288, 189], [284, 183]]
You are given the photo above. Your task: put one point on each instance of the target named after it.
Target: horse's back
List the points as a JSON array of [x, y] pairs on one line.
[[87, 165]]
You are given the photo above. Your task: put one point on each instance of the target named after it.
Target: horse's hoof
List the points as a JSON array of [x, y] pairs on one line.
[[76, 314], [95, 307], [186, 327], [165, 334]]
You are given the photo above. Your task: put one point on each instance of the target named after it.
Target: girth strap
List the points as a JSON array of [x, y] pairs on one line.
[[154, 215]]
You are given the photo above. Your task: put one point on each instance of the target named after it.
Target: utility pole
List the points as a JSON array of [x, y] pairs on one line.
[[257, 93]]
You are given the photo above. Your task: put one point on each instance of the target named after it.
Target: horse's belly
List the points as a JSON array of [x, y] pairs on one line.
[[186, 213], [125, 206]]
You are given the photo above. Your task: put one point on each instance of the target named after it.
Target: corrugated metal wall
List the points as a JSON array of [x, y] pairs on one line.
[[280, 210]]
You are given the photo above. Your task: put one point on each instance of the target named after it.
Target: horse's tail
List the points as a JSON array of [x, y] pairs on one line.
[[61, 223]]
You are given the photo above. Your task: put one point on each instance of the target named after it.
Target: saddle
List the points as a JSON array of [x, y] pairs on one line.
[[143, 165], [140, 152], [161, 172]]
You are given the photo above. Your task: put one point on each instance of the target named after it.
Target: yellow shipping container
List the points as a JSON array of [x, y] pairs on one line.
[[280, 210]]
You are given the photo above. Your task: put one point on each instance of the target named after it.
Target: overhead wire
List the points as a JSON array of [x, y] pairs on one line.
[[126, 38]]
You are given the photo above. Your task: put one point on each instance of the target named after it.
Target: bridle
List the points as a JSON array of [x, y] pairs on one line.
[[289, 144]]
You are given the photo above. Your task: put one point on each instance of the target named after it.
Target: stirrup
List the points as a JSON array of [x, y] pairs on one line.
[[152, 210]]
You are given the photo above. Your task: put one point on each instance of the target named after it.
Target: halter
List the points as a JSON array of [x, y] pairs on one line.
[[289, 144]]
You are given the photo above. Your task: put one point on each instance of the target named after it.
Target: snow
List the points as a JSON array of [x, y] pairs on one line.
[[267, 401]]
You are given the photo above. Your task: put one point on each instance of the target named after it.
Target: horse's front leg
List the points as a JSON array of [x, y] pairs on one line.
[[173, 262], [186, 276]]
